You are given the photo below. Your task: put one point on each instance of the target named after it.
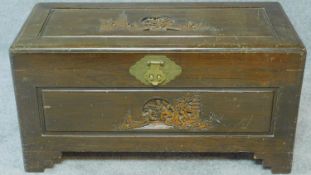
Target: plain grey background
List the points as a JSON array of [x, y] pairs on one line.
[[12, 15]]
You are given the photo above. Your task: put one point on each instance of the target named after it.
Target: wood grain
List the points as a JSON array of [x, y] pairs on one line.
[[73, 86]]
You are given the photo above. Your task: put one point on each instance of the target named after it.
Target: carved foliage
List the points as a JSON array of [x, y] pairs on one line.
[[158, 113], [150, 23]]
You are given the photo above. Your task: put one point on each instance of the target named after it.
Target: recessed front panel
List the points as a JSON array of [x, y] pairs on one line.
[[166, 110]]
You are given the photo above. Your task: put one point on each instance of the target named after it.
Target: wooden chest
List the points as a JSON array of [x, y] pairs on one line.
[[177, 77]]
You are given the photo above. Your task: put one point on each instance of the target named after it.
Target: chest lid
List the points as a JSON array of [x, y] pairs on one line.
[[77, 27]]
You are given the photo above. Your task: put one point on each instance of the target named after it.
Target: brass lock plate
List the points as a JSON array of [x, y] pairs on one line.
[[155, 70]]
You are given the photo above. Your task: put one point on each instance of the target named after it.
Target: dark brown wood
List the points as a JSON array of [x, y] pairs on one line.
[[239, 89], [235, 110]]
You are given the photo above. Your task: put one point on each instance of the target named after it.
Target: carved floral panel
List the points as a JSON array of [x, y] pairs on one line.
[[182, 113]]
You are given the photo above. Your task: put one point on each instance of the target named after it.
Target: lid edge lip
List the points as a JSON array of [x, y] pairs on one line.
[[159, 50]]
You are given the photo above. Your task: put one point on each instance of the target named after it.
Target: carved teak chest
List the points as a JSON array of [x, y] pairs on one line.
[[178, 77]]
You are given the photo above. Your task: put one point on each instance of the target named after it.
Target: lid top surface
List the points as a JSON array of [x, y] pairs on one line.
[[77, 26]]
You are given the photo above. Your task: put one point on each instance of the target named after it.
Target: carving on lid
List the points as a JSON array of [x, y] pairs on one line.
[[150, 23]]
